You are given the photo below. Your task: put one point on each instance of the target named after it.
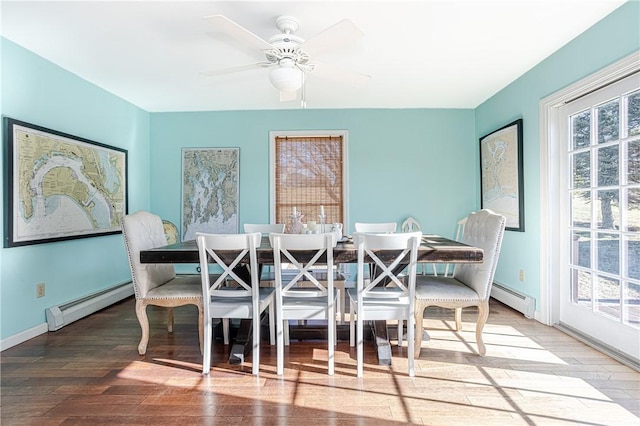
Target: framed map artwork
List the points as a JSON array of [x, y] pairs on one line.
[[60, 187], [501, 182], [210, 191]]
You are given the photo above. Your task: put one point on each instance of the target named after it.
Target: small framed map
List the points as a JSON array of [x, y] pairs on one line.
[[210, 191], [501, 182], [59, 186]]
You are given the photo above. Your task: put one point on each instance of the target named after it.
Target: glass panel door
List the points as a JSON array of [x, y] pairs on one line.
[[601, 215]]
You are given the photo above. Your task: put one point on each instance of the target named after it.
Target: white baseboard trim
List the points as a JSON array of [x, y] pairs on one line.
[[23, 336]]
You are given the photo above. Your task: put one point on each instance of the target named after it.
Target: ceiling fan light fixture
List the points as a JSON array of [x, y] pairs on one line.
[[286, 78]]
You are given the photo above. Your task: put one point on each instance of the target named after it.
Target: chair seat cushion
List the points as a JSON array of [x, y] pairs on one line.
[[444, 289], [264, 295], [389, 296], [182, 286], [239, 307]]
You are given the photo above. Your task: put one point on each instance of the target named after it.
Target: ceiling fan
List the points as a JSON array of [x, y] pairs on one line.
[[290, 55]]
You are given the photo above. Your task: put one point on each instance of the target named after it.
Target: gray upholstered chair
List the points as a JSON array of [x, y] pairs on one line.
[[471, 283], [156, 284]]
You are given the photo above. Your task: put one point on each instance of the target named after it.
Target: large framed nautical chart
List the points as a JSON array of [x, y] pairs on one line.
[[59, 186], [501, 179], [210, 191]]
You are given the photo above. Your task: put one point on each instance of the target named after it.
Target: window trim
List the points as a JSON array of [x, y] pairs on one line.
[[308, 133], [550, 185]]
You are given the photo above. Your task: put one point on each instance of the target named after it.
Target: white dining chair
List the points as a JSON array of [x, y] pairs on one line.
[[156, 283], [471, 283], [313, 299], [263, 228], [230, 295], [378, 227], [412, 225], [450, 267], [385, 295], [266, 271]]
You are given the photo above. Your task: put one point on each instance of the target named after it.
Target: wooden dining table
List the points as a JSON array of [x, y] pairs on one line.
[[432, 249]]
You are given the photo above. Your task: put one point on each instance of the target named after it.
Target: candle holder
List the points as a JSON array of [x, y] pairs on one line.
[[321, 221]]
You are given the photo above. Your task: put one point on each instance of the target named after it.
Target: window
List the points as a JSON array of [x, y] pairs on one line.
[[308, 172]]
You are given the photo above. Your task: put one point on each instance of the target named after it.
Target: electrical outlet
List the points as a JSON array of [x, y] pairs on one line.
[[522, 275], [40, 290]]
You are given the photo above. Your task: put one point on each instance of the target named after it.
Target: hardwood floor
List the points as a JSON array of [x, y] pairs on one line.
[[90, 373]]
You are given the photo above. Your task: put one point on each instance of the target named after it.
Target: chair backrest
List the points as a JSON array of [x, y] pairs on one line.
[[264, 228], [460, 228], [410, 225], [141, 231], [458, 237], [227, 251], [403, 256], [301, 253], [483, 229], [379, 227]]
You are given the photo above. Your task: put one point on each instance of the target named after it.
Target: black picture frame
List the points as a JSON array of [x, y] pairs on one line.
[[501, 173], [59, 186]]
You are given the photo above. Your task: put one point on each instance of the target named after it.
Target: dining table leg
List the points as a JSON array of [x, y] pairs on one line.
[[242, 343], [381, 341]]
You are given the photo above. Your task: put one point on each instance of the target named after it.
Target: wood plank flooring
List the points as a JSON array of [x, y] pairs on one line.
[[89, 373]]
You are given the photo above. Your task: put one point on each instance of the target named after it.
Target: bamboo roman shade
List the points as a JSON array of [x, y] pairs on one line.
[[309, 174]]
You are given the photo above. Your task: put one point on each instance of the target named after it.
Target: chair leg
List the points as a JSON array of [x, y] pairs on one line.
[[411, 331], [419, 315], [286, 333], [359, 344], [206, 350], [170, 320], [331, 344], [141, 313], [279, 347], [201, 327], [338, 310], [400, 331], [225, 330], [458, 316], [483, 314], [352, 324], [255, 358], [272, 325]]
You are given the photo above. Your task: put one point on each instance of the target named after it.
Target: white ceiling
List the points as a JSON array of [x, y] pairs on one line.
[[420, 54]]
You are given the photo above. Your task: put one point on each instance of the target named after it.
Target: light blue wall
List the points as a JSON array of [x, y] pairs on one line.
[[613, 38], [36, 91], [423, 163], [418, 162]]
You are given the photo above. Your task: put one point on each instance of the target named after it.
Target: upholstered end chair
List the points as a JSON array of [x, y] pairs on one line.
[[156, 284], [471, 283]]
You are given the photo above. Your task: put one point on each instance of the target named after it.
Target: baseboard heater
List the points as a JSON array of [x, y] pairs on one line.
[[59, 316], [516, 300]]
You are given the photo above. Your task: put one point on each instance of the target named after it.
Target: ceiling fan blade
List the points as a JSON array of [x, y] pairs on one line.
[[338, 35], [288, 96], [238, 68], [334, 73], [239, 33]]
